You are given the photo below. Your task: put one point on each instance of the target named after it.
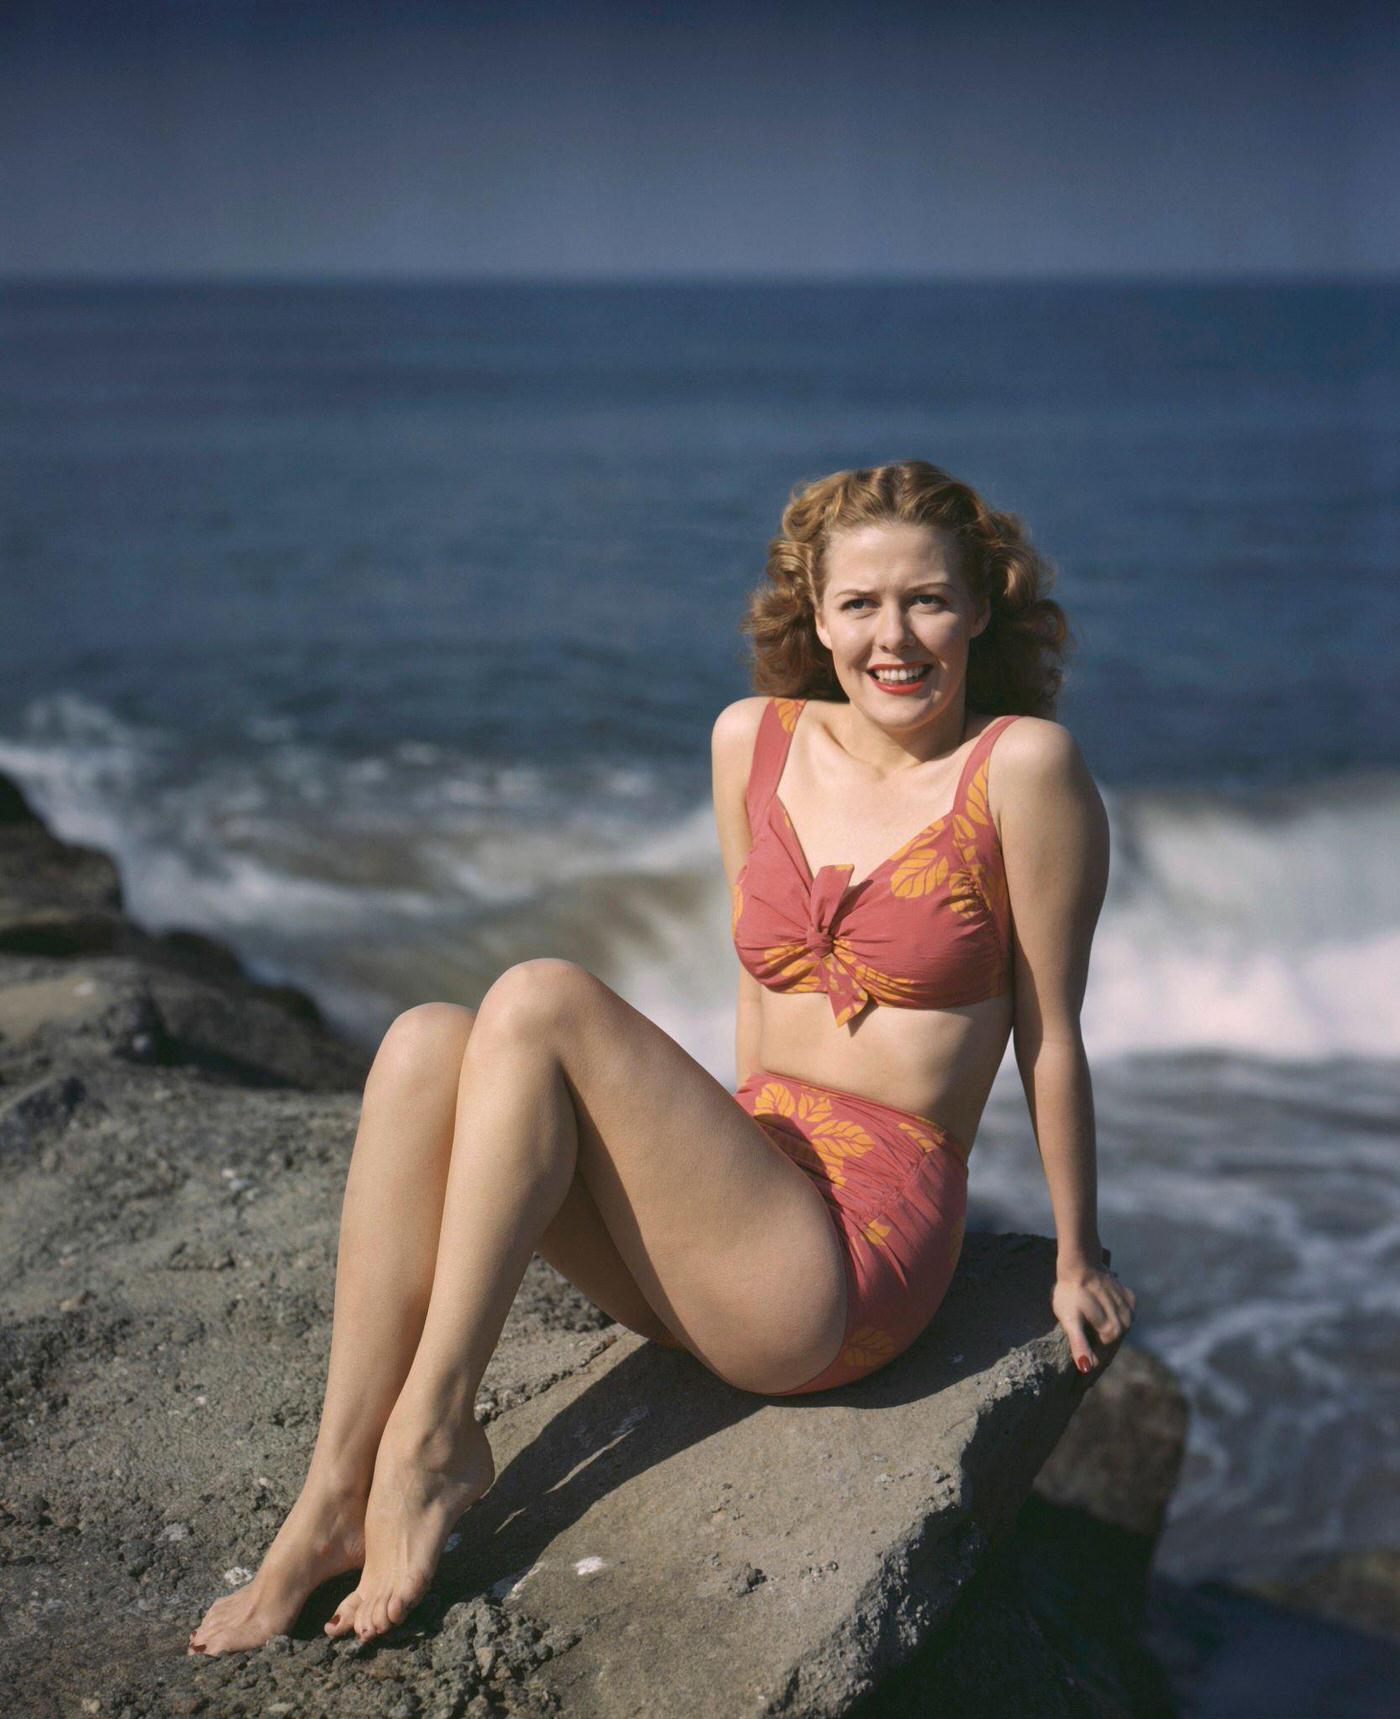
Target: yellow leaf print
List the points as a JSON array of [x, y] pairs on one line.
[[787, 709], [921, 870], [814, 1108], [975, 809], [793, 963], [775, 1099], [846, 1139], [831, 1139], [875, 1232], [869, 1347], [736, 911], [965, 892], [994, 888], [885, 987], [834, 1141], [920, 1136]]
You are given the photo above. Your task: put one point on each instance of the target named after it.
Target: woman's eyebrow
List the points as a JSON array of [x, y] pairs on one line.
[[923, 585]]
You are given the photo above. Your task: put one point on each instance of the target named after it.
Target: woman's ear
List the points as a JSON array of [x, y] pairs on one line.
[[822, 633]]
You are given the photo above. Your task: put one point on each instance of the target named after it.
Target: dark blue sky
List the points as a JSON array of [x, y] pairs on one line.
[[418, 137]]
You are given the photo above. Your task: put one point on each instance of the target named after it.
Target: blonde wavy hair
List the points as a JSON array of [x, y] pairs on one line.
[[1016, 663]]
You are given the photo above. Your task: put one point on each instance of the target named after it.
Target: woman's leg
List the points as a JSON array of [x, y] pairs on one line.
[[727, 1238], [390, 1219]]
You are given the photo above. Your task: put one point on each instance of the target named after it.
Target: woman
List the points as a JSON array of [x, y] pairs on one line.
[[903, 627]]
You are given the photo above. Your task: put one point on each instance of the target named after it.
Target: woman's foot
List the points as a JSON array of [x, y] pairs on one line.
[[323, 1536], [421, 1486]]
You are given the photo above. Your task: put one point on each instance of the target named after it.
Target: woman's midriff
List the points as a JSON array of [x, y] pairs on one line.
[[929, 1062]]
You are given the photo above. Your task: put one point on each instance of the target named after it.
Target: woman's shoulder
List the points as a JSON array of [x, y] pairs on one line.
[[1036, 761], [1033, 743], [736, 727], [733, 745]]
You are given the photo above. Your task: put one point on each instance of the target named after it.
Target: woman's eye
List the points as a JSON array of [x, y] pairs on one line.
[[923, 597]]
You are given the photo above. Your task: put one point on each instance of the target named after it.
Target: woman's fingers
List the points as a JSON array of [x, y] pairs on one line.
[[1080, 1348], [1097, 1312]]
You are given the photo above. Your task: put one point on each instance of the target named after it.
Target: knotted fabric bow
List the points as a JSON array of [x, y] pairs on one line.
[[836, 964]]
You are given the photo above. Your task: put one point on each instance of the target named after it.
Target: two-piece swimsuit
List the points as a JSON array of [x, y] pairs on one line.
[[929, 928]]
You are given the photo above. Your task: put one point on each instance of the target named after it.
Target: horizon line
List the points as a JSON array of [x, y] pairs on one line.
[[443, 278]]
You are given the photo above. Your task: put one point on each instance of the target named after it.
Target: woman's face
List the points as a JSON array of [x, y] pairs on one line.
[[894, 595]]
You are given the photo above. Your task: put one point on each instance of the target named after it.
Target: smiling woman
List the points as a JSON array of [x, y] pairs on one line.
[[904, 630], [1015, 660]]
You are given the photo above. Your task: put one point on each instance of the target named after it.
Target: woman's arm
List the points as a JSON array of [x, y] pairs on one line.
[[732, 741], [1054, 834]]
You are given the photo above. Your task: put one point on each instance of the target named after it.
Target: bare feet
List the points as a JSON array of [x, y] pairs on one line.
[[322, 1536], [421, 1486]]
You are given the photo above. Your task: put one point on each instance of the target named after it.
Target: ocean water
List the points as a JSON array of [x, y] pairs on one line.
[[379, 631]]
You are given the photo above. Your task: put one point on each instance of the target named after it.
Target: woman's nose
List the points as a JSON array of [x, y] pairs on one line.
[[893, 633]]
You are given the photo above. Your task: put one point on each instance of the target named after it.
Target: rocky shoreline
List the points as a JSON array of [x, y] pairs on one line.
[[174, 1138]]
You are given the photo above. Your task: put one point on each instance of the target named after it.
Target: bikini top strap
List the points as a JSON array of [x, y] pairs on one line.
[[769, 755], [984, 744]]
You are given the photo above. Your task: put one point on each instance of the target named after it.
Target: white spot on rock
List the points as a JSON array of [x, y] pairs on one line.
[[511, 1584], [588, 1566], [236, 1577]]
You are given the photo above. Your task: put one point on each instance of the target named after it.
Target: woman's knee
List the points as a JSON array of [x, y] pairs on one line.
[[429, 1036], [535, 1000]]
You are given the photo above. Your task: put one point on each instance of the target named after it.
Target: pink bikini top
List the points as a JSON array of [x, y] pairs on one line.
[[929, 928]]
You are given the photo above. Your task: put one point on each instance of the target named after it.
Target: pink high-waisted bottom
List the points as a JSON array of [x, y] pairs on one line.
[[895, 1185]]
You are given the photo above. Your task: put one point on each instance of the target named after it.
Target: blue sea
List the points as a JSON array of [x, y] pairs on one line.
[[379, 631]]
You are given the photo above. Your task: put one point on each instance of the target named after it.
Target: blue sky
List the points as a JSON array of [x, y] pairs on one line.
[[424, 138]]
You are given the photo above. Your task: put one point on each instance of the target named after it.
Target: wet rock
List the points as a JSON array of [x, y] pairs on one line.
[[1360, 1589]]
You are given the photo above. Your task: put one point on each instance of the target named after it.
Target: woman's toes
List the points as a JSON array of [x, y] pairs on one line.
[[344, 1619]]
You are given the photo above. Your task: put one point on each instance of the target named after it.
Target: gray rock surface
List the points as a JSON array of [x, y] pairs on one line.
[[1051, 1623], [174, 1142]]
